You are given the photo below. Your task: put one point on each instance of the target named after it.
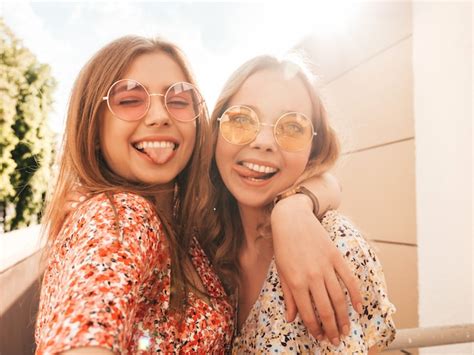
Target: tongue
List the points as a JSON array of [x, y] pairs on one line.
[[159, 155], [246, 172]]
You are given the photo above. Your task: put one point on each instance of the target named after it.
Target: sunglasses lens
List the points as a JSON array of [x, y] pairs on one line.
[[183, 102], [293, 132], [239, 125], [128, 100]]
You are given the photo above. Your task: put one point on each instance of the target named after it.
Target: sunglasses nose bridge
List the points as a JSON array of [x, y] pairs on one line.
[[264, 136], [162, 109], [160, 95], [263, 125], [151, 95], [271, 125]]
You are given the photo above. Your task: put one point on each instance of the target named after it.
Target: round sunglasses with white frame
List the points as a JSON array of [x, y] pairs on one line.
[[129, 100]]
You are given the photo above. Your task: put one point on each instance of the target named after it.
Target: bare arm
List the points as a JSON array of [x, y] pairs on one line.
[[309, 264], [328, 190]]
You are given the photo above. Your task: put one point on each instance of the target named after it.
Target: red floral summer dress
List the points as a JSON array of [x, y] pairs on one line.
[[101, 289]]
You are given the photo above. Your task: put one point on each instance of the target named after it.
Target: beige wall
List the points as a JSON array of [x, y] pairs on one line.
[[398, 84], [19, 300], [368, 87], [442, 56]]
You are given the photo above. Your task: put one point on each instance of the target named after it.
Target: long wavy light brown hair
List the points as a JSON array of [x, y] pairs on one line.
[[323, 155], [81, 160]]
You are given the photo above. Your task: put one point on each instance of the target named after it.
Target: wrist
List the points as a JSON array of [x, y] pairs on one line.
[[299, 197], [299, 202], [293, 209]]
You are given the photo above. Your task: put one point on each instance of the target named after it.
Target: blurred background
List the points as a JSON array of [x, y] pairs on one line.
[[396, 77]]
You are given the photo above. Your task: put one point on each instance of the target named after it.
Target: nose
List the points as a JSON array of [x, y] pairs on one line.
[[157, 114], [265, 139]]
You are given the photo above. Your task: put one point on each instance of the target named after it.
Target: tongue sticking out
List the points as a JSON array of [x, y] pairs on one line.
[[246, 172], [159, 155]]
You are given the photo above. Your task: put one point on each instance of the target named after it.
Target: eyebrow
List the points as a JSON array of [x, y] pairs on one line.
[[123, 88], [164, 88], [254, 108], [259, 114]]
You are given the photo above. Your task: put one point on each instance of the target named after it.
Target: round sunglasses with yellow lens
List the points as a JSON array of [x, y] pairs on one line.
[[240, 125]]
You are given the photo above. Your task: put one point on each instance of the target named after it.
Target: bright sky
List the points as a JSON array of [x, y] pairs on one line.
[[216, 36]]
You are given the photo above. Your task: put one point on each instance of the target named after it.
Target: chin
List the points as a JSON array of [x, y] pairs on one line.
[[253, 202], [154, 180]]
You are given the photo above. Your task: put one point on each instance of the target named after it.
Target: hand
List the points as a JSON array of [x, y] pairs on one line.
[[309, 266]]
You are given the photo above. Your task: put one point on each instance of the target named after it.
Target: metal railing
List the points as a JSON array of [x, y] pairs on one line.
[[432, 336]]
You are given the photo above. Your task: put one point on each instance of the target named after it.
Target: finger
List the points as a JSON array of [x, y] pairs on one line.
[[307, 313], [290, 304], [326, 312], [351, 282], [339, 303]]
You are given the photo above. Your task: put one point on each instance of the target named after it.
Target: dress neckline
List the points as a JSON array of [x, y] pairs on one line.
[[244, 324], [206, 273]]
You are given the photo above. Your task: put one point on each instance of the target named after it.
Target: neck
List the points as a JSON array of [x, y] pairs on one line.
[[165, 201], [251, 218]]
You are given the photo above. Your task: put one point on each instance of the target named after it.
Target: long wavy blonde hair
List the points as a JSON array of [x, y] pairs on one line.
[[81, 161], [228, 232]]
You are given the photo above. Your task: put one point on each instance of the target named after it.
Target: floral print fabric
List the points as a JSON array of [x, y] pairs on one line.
[[266, 330], [108, 285]]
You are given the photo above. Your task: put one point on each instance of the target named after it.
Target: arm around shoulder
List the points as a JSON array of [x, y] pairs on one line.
[[328, 191]]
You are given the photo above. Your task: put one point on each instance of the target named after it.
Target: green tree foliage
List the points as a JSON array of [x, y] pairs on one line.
[[27, 143]]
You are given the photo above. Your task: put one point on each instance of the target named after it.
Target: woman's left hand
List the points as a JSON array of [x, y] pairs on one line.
[[309, 266]]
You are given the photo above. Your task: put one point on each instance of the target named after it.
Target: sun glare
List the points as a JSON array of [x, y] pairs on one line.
[[290, 22]]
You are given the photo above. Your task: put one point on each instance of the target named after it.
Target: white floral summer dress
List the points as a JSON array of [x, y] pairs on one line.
[[266, 331]]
